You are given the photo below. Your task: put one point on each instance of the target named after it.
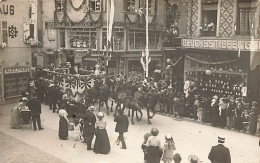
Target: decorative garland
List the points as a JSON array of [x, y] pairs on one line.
[[211, 63], [77, 9]]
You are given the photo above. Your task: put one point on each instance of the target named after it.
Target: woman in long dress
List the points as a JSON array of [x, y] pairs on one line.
[[63, 124], [238, 125], [16, 114], [102, 144], [253, 118]]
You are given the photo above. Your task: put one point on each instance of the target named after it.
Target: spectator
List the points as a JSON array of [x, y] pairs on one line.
[[177, 158], [35, 106], [253, 118], [16, 113], [168, 149], [154, 147], [63, 124], [193, 159], [219, 153], [102, 144], [144, 147], [122, 124]]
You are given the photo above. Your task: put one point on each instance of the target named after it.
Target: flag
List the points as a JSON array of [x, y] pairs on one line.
[[254, 59], [111, 22], [238, 54], [142, 59]]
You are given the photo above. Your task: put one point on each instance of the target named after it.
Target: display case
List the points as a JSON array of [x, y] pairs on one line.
[[16, 80]]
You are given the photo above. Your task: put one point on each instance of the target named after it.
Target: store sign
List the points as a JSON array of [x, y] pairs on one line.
[[244, 45], [6, 9]]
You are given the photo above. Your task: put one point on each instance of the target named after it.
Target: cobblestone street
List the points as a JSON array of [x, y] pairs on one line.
[[26, 145]]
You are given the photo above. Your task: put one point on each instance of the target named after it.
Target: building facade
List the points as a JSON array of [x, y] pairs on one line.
[[18, 32], [76, 31], [220, 46]]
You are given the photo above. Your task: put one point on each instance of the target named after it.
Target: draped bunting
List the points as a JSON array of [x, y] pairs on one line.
[[211, 63], [75, 15], [77, 4], [71, 82], [59, 79]]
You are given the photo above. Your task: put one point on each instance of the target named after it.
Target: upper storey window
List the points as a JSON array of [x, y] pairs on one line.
[[95, 5], [245, 17], [209, 18]]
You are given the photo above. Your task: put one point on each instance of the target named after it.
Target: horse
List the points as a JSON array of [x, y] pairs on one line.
[[103, 97]]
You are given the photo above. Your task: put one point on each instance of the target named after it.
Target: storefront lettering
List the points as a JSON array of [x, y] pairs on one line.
[[7, 9], [222, 44]]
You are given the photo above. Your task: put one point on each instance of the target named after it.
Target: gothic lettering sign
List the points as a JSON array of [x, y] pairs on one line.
[[243, 45], [6, 9]]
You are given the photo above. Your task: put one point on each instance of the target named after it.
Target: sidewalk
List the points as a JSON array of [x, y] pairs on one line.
[[13, 150]]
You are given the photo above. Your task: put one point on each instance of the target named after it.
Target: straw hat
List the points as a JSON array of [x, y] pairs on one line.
[[168, 136], [92, 108]]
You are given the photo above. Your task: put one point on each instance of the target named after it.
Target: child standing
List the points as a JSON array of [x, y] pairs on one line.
[[168, 149], [77, 133], [199, 111], [144, 147]]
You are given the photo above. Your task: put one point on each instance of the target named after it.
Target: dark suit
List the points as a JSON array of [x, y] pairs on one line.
[[89, 127], [219, 154], [121, 127], [53, 98], [35, 106]]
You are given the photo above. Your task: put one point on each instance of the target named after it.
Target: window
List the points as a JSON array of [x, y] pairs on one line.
[[62, 39], [95, 5], [4, 32], [117, 38], [137, 39], [130, 6], [149, 6], [60, 5], [209, 19], [245, 21], [83, 38]]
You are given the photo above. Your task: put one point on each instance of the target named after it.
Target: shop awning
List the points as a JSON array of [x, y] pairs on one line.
[[254, 59]]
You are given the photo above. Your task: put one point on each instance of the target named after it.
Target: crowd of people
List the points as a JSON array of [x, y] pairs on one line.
[[226, 112]]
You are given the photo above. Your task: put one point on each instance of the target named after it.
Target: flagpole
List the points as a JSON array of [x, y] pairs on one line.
[[106, 66], [147, 43]]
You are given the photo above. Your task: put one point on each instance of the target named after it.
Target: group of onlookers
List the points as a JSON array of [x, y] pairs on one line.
[[154, 150], [26, 104]]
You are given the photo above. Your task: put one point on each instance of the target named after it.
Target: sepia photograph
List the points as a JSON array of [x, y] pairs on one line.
[[130, 81]]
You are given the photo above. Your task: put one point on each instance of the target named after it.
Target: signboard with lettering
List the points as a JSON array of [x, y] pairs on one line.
[[243, 45]]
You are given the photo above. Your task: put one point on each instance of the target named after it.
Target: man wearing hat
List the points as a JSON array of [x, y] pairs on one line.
[[35, 106], [219, 153], [53, 97], [122, 124], [89, 126]]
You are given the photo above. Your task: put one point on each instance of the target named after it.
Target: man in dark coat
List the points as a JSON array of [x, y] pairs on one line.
[[89, 126], [122, 124], [53, 97], [35, 106], [219, 153]]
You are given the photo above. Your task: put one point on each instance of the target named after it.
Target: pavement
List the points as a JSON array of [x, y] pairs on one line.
[[191, 138]]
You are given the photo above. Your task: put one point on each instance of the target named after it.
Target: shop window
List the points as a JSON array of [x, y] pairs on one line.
[[60, 5], [130, 6], [4, 32], [117, 38], [137, 39], [83, 38], [209, 19], [95, 5]]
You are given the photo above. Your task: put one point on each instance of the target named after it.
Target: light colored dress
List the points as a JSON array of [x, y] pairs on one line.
[[168, 150], [16, 115], [77, 133]]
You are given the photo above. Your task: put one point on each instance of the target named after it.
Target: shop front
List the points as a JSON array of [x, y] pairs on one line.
[[218, 67]]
